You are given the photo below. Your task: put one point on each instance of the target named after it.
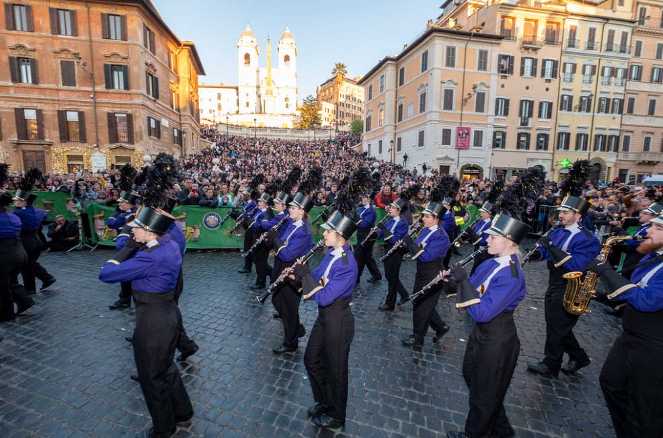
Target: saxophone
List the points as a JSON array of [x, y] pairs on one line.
[[579, 292]]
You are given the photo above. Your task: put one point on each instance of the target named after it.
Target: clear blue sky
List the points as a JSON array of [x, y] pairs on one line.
[[356, 32]]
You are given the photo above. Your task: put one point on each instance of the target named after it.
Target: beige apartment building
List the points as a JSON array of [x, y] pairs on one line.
[[347, 99], [416, 101], [93, 84]]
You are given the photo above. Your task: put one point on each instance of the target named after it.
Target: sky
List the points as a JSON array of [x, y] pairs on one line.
[[358, 33]]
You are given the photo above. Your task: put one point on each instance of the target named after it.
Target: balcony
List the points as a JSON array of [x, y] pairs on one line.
[[591, 45], [567, 77], [572, 43], [552, 40], [531, 42], [508, 35], [648, 157]]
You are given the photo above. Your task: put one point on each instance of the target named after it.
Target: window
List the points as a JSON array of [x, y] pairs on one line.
[[380, 147], [72, 126], [23, 70], [29, 124], [613, 143], [635, 74], [152, 83], [120, 128], [585, 105], [630, 105], [114, 27], [451, 57], [480, 102], [572, 42], [448, 100], [542, 141], [153, 127], [424, 61], [482, 60], [526, 111], [523, 141], [401, 76], [569, 71], [380, 117], [588, 71], [566, 102], [637, 50], [657, 74], [606, 75], [501, 107], [499, 139], [646, 146], [399, 144], [545, 110], [446, 137], [422, 102], [477, 141], [63, 22], [609, 46], [659, 51], [600, 142], [563, 140], [626, 143], [603, 105], [172, 61], [368, 123], [247, 59], [617, 105], [68, 73], [420, 139], [505, 64], [382, 84], [642, 16], [591, 38], [117, 77], [623, 43], [552, 33], [527, 67], [400, 112], [370, 92], [19, 17], [507, 29], [549, 69], [582, 140], [651, 109], [148, 40], [530, 31]]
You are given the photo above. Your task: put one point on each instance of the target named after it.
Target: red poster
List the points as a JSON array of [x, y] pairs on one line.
[[462, 137]]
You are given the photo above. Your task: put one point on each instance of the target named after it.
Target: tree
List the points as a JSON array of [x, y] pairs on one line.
[[340, 69], [357, 126], [309, 114]]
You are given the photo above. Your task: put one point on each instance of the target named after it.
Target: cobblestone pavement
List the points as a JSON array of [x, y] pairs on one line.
[[64, 371]]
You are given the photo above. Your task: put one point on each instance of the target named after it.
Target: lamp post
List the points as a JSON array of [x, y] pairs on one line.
[[227, 126], [255, 129], [392, 151]]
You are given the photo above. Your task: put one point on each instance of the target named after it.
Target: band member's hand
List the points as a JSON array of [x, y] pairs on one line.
[[546, 243], [133, 244], [301, 270], [458, 273], [599, 268]]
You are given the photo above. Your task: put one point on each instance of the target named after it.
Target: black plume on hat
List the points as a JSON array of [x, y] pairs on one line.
[[127, 175], [312, 182], [29, 179], [576, 178], [360, 183], [4, 174], [495, 191], [256, 181], [291, 180], [160, 180]]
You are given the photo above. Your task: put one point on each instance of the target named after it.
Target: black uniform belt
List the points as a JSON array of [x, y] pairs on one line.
[[28, 233], [337, 305], [153, 297], [436, 264], [8, 240]]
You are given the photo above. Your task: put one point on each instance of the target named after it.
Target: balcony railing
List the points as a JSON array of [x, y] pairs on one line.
[[572, 43], [640, 156], [567, 77], [532, 42], [508, 35], [591, 45], [587, 79]]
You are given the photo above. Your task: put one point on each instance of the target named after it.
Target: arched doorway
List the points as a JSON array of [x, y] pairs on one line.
[[471, 171]]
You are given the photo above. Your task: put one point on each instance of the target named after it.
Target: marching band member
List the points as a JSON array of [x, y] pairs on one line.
[[328, 348], [364, 253], [479, 234], [636, 249], [631, 373], [247, 211], [490, 295], [392, 231], [428, 250], [261, 253], [293, 241], [450, 227], [126, 205], [568, 248]]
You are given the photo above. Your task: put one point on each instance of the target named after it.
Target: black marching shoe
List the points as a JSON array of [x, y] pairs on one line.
[[152, 434], [324, 420], [184, 423], [541, 369], [129, 339], [119, 304], [244, 271], [375, 279], [134, 378], [386, 308], [316, 410], [257, 287], [438, 335], [282, 349], [276, 315], [48, 283], [301, 331], [411, 341], [186, 354], [572, 366]]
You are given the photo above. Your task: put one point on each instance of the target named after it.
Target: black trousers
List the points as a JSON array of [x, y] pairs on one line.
[[12, 259], [326, 356], [32, 246], [631, 381], [41, 273], [260, 256], [155, 339], [495, 343], [559, 331], [364, 256], [424, 312], [392, 269], [125, 292], [286, 301], [249, 238], [184, 343]]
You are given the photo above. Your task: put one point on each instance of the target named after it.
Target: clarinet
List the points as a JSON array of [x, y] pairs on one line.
[[528, 256], [225, 218], [263, 236], [414, 230], [458, 241], [289, 270], [440, 277], [373, 230], [323, 212]]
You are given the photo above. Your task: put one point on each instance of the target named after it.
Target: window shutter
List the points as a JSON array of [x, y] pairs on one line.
[[156, 89], [506, 107], [35, 71], [53, 14], [123, 20], [522, 66], [125, 69], [530, 109], [153, 47], [112, 128], [574, 68], [30, 19], [82, 133], [68, 73], [105, 33], [13, 69], [130, 128], [158, 130], [534, 65], [544, 62], [108, 77], [40, 124], [62, 125], [555, 67], [21, 128], [74, 23], [9, 17], [593, 69], [520, 108], [511, 60], [147, 82]]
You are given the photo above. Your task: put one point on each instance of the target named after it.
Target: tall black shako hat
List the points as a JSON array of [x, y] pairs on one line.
[[161, 176], [353, 187], [655, 209], [27, 183], [127, 176], [434, 208], [571, 188], [506, 226], [304, 197], [340, 223]]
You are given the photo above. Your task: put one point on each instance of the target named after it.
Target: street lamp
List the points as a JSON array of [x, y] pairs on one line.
[[392, 152]]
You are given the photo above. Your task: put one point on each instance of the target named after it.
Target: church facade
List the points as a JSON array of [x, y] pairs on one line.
[[264, 96]]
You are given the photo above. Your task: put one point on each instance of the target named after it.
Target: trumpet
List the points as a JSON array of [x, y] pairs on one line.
[[263, 236], [414, 229], [289, 270], [373, 230], [440, 277]]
